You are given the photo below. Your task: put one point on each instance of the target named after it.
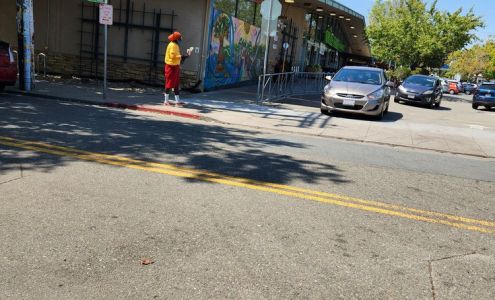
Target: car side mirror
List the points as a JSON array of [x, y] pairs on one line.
[[328, 77], [390, 84]]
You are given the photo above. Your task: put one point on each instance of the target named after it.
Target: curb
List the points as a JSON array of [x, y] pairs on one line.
[[113, 105], [362, 141], [203, 118]]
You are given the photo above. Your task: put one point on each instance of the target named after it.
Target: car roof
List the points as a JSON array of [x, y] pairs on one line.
[[362, 68]]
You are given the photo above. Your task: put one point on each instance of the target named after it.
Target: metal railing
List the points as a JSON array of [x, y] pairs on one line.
[[43, 55], [16, 54], [272, 87]]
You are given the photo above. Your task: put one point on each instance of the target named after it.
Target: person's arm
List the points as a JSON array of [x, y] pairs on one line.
[[184, 57]]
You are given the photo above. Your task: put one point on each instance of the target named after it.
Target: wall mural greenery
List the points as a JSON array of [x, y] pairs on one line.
[[235, 51]]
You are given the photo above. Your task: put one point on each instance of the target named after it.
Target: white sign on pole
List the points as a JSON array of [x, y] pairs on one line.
[[106, 18], [106, 14]]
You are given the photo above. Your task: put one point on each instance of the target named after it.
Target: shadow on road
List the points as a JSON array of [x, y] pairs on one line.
[[234, 152], [419, 105], [390, 116]]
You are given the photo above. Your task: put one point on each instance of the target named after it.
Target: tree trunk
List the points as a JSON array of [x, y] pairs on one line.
[[221, 57]]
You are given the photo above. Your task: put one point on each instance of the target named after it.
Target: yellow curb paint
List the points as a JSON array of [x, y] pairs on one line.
[[291, 191]]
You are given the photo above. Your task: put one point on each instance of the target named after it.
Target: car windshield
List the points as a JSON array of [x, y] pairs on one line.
[[359, 76], [422, 81], [490, 87]]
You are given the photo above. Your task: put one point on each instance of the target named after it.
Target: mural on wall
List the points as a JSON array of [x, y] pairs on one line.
[[235, 51]]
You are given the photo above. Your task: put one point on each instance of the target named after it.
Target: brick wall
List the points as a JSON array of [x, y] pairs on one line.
[[69, 65]]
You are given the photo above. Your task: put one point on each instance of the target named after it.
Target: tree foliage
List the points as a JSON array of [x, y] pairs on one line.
[[410, 33], [479, 59]]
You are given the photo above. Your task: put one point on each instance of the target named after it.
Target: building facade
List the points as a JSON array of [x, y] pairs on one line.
[[227, 36]]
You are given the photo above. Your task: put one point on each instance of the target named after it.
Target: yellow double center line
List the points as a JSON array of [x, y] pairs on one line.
[[291, 191]]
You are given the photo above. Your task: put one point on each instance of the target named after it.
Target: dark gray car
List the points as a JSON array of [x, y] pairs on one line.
[[358, 90], [421, 89]]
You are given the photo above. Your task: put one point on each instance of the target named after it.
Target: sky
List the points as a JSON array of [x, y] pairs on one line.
[[483, 8]]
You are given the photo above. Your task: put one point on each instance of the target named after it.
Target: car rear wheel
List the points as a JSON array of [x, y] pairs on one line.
[[452, 92], [475, 106]]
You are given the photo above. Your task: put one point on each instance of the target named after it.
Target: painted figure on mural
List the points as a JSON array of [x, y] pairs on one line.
[[173, 59], [235, 51]]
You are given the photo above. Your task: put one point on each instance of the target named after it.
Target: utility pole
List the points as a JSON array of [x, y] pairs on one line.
[[25, 33]]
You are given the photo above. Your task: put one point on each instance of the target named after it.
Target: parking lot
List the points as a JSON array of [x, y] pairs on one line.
[[453, 127]]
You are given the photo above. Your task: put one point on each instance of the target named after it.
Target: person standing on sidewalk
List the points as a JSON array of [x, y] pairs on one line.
[[173, 59]]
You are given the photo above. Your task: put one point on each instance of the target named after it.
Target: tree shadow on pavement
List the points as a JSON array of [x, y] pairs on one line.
[[198, 145]]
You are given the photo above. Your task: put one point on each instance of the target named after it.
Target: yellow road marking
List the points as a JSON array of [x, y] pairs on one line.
[[291, 191]]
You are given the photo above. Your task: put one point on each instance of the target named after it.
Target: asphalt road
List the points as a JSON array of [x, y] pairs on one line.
[[231, 213]]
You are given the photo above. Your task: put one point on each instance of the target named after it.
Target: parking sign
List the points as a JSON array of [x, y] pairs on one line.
[[106, 14]]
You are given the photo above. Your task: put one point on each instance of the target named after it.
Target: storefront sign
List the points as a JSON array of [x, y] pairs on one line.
[[332, 41]]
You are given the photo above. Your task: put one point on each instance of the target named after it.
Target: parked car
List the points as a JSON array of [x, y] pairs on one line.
[[454, 88], [421, 89], [358, 90], [469, 88], [484, 96], [445, 85], [8, 66]]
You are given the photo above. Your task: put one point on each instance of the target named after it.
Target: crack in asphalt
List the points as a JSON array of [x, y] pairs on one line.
[[430, 269], [21, 171]]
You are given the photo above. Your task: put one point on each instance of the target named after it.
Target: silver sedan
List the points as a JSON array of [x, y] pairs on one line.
[[358, 90]]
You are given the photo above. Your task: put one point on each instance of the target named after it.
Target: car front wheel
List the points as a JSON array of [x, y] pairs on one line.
[[325, 111], [475, 106]]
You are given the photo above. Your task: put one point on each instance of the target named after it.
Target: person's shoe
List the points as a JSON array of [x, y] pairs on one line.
[[177, 100], [166, 99]]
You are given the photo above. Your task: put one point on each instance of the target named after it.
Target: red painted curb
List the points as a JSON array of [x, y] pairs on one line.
[[153, 110]]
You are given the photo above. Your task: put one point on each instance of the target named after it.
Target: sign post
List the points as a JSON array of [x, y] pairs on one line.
[[270, 11], [106, 18], [25, 39]]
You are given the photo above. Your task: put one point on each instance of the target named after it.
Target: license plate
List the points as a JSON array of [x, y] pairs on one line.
[[410, 96], [349, 102]]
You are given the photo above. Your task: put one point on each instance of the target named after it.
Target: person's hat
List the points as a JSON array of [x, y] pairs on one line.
[[175, 36]]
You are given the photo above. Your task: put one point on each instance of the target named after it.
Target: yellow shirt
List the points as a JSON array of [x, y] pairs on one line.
[[172, 55]]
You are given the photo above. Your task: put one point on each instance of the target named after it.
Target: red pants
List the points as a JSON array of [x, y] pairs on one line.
[[172, 77]]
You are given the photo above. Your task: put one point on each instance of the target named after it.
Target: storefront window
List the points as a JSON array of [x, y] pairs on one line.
[[257, 15], [324, 39], [245, 10], [226, 6]]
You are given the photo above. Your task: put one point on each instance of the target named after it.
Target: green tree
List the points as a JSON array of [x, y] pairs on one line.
[[410, 33], [221, 31], [479, 59]]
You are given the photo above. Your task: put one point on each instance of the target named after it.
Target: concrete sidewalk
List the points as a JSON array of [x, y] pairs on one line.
[[455, 128]]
